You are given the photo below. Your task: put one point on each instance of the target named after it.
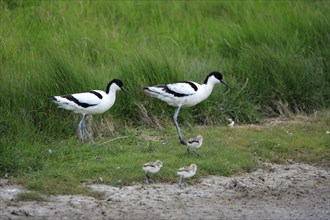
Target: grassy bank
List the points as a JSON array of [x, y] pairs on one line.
[[225, 151], [275, 54]]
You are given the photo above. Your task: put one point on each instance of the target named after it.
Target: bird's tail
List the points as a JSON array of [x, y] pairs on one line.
[[62, 102], [154, 91], [52, 98]]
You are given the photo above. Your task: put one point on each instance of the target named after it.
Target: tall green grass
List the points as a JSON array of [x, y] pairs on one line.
[[275, 54]]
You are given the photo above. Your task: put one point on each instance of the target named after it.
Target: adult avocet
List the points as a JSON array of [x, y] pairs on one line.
[[185, 94], [195, 143], [151, 167], [89, 103], [186, 172]]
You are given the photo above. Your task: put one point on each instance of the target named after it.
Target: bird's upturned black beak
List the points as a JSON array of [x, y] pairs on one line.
[[226, 84], [124, 90]]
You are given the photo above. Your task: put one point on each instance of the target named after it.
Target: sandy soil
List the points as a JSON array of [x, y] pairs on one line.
[[291, 191]]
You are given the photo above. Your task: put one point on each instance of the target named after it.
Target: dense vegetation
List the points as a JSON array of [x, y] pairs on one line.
[[275, 54]]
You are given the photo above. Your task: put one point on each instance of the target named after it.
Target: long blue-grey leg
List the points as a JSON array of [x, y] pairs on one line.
[[147, 178], [89, 137], [175, 118], [180, 181], [86, 131], [80, 127], [196, 152]]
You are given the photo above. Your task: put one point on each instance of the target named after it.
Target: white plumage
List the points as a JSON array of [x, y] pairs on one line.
[[231, 122], [186, 172], [195, 143], [151, 167], [89, 103], [185, 94]]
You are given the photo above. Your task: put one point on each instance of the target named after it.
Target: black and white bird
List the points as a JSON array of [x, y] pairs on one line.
[[186, 172], [231, 122], [195, 143], [151, 167], [89, 103], [185, 94]]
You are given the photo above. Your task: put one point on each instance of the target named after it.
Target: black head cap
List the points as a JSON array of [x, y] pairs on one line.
[[118, 82], [216, 74]]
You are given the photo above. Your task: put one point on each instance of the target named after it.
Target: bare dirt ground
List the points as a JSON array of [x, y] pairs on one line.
[[290, 191]]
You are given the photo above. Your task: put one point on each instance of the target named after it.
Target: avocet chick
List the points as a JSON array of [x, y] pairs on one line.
[[186, 172], [195, 143], [231, 122], [152, 167]]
